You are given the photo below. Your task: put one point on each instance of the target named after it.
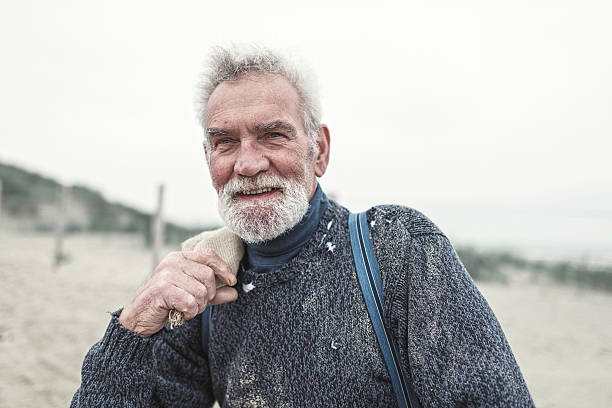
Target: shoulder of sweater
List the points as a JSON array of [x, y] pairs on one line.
[[410, 220]]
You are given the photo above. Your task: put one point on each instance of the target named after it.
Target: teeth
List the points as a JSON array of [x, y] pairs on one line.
[[261, 190]]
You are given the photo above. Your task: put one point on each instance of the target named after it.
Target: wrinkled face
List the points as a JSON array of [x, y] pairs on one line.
[[259, 155]]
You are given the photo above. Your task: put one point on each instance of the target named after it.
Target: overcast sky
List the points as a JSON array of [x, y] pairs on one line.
[[493, 118]]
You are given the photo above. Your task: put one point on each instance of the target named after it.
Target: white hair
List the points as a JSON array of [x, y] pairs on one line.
[[230, 63]]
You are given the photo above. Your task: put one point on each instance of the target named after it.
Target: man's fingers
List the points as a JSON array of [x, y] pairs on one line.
[[211, 259], [203, 291], [196, 273], [224, 295], [182, 301]]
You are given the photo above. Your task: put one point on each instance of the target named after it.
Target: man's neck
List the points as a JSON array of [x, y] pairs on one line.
[[271, 255]]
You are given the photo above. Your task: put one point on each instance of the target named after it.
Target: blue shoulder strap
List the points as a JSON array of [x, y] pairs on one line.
[[206, 328], [371, 288]]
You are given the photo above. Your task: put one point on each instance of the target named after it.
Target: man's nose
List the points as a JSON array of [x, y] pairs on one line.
[[251, 160]]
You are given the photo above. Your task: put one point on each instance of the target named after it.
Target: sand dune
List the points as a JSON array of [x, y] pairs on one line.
[[562, 337]]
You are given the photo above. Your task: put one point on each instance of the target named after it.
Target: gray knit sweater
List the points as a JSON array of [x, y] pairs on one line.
[[301, 335]]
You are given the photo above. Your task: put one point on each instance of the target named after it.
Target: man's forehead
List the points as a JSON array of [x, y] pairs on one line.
[[253, 99], [258, 118]]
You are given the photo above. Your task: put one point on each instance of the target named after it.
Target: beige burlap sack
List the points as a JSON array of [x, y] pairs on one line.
[[224, 242]]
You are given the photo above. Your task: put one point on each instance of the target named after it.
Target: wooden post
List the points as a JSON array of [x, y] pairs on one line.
[[60, 228], [157, 227]]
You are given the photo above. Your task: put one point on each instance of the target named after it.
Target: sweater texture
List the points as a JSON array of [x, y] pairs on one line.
[[300, 335]]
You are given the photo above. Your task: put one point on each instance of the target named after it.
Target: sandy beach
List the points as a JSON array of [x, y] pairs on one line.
[[561, 336]]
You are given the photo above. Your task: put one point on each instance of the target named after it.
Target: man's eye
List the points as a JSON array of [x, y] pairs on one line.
[[273, 135], [223, 144]]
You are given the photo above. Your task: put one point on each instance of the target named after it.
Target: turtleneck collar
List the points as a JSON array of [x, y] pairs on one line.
[[268, 256]]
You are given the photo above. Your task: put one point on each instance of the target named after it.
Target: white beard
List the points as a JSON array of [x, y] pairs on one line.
[[261, 220]]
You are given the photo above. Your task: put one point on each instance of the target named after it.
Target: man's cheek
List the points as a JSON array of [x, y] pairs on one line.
[[218, 179]]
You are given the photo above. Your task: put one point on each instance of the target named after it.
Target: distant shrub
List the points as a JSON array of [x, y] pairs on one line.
[[484, 266], [583, 275], [43, 227], [488, 266]]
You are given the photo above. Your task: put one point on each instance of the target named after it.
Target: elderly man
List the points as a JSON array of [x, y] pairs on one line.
[[292, 328]]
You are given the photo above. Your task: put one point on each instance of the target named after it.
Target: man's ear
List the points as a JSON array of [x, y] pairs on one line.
[[322, 158]]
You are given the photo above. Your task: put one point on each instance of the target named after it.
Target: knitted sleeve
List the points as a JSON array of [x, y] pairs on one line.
[[183, 377], [125, 370], [458, 353]]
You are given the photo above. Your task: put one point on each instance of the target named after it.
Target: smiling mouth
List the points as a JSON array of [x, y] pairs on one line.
[[258, 191]]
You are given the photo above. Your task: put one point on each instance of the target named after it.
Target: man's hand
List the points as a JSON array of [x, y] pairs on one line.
[[183, 281]]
